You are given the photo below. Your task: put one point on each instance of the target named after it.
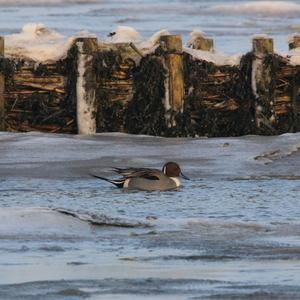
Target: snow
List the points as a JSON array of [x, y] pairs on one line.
[[42, 44], [294, 57], [256, 70], [153, 41], [39, 43], [124, 34], [214, 57], [194, 35], [294, 54]]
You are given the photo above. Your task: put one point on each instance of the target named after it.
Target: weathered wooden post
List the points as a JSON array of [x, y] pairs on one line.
[[2, 86], [86, 85], [294, 42], [203, 43], [261, 84], [174, 84]]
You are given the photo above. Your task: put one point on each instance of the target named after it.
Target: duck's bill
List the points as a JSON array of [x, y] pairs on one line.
[[183, 176]]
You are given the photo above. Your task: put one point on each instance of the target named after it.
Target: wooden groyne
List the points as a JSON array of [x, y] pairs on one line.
[[102, 87]]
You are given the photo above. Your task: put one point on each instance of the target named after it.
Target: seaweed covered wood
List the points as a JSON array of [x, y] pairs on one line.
[[146, 111], [282, 74], [132, 93], [273, 84], [218, 98], [38, 102], [296, 99], [2, 85], [113, 66]]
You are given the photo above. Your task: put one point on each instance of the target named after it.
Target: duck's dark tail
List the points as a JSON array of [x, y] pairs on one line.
[[117, 182]]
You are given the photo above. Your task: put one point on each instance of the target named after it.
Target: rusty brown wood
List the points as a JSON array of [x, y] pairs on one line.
[[172, 45], [262, 46]]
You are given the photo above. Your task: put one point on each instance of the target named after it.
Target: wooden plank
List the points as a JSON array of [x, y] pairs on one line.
[[28, 77], [176, 87], [43, 87], [262, 46], [174, 84]]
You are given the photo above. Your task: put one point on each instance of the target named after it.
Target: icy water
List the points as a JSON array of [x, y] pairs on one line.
[[231, 232], [230, 23]]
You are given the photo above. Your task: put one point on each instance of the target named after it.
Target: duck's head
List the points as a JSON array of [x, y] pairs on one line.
[[172, 169]]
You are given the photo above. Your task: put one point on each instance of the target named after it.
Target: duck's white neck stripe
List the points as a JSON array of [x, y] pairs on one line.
[[126, 183], [176, 180]]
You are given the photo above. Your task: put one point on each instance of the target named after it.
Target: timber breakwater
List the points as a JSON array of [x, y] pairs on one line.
[[164, 89]]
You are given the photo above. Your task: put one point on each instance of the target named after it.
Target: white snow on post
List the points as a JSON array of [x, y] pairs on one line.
[[194, 35], [39, 43], [256, 76], [153, 42], [257, 66], [124, 34], [215, 57], [86, 111], [294, 57]]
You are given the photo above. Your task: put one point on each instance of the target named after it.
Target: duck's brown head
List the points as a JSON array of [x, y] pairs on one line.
[[172, 169]]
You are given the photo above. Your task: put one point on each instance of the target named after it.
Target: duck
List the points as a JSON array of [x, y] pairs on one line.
[[147, 179]]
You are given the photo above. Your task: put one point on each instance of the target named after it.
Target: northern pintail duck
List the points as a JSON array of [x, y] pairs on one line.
[[148, 179]]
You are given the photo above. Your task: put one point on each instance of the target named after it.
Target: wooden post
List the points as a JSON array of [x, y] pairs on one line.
[[294, 42], [86, 86], [2, 86], [263, 46], [261, 83], [174, 84], [203, 43]]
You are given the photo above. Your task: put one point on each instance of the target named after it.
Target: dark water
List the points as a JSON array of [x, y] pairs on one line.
[[231, 232]]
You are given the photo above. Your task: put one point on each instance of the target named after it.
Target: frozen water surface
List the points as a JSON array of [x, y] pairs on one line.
[[230, 232]]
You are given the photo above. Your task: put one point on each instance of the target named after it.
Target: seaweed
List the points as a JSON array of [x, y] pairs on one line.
[[7, 67], [276, 94], [217, 97], [145, 113], [105, 63], [30, 107], [218, 100], [113, 75], [41, 70], [110, 116], [296, 100]]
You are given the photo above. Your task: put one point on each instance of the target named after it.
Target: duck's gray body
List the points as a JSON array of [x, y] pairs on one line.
[[164, 183], [147, 179]]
